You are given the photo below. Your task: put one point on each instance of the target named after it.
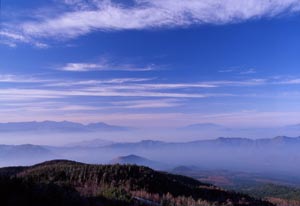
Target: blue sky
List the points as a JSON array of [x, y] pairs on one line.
[[151, 63]]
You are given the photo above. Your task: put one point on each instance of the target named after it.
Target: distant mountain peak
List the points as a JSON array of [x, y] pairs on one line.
[[137, 160], [283, 139], [133, 156], [129, 159]]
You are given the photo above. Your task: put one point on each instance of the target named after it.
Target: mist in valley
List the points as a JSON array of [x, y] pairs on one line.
[[253, 155]]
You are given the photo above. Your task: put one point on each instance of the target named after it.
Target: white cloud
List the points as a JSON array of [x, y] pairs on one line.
[[10, 78], [104, 66], [116, 87], [178, 85], [141, 104], [290, 81], [12, 38], [89, 97], [27, 94], [226, 70], [127, 93], [124, 80], [239, 83], [140, 84], [249, 71], [83, 17], [67, 83], [81, 67], [239, 71]]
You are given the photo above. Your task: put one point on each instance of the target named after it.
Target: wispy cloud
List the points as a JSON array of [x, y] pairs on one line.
[[226, 70], [140, 104], [104, 66], [15, 94], [249, 71], [11, 78], [290, 81], [81, 67], [13, 38], [239, 71], [150, 83], [92, 82], [240, 83], [46, 106], [87, 96], [83, 17], [142, 84]]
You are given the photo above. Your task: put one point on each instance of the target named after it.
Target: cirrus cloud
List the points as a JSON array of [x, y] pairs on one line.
[[85, 67], [83, 17]]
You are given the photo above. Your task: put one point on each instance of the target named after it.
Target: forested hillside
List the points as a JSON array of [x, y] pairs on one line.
[[71, 183]]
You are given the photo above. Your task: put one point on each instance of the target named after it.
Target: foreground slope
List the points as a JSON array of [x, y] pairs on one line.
[[63, 183]]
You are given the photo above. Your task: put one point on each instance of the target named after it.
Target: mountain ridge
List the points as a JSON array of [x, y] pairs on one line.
[[55, 126], [125, 184]]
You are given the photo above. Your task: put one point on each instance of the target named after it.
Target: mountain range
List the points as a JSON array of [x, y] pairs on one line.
[[216, 130], [239, 164], [219, 142], [52, 126], [221, 153], [200, 129]]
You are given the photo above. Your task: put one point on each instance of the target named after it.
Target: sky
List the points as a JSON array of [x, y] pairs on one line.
[[151, 63]]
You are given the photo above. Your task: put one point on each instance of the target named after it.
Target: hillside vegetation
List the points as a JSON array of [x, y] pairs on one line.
[[278, 194], [71, 183]]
